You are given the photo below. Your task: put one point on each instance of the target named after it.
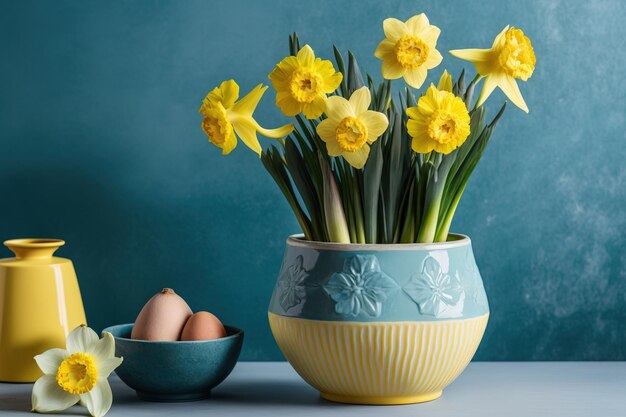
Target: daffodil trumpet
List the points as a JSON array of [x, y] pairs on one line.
[[302, 83], [511, 57], [408, 49], [225, 118], [350, 128], [361, 166], [77, 373]]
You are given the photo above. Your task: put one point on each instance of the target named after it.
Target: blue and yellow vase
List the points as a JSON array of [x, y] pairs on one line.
[[379, 324]]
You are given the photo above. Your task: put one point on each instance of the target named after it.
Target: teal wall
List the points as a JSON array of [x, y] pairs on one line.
[[101, 145]]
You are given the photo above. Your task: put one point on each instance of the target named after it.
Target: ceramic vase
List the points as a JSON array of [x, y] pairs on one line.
[[40, 304], [379, 324]]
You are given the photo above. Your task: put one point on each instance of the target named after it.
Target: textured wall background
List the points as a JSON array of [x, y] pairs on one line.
[[101, 146]]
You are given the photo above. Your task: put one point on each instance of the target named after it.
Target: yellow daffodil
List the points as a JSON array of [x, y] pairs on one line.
[[409, 49], [511, 56], [440, 121], [302, 82], [225, 118], [78, 373], [350, 127]]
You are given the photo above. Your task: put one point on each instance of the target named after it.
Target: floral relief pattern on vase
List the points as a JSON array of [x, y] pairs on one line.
[[479, 296], [436, 293], [291, 284], [361, 287]]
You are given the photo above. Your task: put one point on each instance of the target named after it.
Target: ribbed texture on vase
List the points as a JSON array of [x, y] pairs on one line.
[[381, 362]]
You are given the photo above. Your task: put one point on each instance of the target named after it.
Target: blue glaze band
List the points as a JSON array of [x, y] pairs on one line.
[[374, 283]]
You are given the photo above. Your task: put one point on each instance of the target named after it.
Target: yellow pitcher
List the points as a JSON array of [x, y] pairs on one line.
[[40, 304]]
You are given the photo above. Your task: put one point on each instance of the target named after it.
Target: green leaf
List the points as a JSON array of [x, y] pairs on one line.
[[459, 86], [435, 187], [343, 87], [456, 187], [294, 44], [476, 128], [469, 93], [392, 174], [371, 189], [355, 79], [358, 206], [273, 163], [406, 232]]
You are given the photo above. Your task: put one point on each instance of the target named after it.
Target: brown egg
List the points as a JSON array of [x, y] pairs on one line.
[[162, 318], [203, 326]]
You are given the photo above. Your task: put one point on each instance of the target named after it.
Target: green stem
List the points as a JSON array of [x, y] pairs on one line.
[[432, 204], [351, 229], [429, 222], [444, 228], [344, 184], [358, 216], [407, 235], [348, 211], [336, 224]]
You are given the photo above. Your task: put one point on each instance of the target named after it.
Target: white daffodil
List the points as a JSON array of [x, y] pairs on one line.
[[77, 374]]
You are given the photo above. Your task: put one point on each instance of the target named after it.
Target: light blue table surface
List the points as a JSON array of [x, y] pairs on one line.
[[511, 389]]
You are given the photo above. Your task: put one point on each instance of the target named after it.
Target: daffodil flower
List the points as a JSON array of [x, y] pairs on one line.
[[351, 128], [302, 82], [225, 118], [409, 49], [440, 121], [77, 373], [511, 57]]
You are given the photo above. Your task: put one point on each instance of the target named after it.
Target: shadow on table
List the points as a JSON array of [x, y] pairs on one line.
[[242, 393], [272, 393], [14, 402], [18, 401], [246, 394], [269, 393]]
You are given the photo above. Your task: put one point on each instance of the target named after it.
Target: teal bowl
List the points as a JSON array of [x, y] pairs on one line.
[[175, 371]]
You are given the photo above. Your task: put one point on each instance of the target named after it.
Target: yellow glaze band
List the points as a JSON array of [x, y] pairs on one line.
[[380, 362]]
